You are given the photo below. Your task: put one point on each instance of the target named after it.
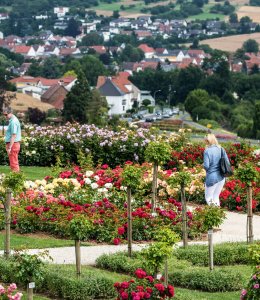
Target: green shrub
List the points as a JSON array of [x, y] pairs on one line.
[[6, 273], [224, 254], [118, 262], [59, 285], [64, 287], [219, 280]]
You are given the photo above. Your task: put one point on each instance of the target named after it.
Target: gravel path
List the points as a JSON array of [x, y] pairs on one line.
[[232, 230]]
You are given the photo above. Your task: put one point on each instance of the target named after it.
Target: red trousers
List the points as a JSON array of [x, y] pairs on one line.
[[13, 156]]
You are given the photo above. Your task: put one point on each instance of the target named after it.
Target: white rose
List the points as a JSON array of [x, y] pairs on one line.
[[94, 185], [89, 173], [87, 181]]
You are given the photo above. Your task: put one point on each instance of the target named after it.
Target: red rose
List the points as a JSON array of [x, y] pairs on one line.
[[125, 285], [116, 241], [170, 290], [124, 295], [159, 287], [139, 273], [121, 230]]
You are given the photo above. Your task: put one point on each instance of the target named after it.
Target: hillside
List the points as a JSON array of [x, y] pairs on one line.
[[24, 101], [230, 43]]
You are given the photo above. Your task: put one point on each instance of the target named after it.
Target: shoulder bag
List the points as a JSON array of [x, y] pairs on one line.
[[225, 167]]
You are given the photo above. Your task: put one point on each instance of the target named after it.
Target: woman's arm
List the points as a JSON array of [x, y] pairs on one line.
[[206, 161]]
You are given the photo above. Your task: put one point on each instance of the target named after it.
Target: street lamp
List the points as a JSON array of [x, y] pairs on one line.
[[154, 95]]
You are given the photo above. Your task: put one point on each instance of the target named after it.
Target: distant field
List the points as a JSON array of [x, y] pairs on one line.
[[107, 9], [230, 43], [206, 13], [252, 12], [24, 101]]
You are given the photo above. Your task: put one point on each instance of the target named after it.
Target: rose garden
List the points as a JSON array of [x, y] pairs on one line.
[[127, 186]]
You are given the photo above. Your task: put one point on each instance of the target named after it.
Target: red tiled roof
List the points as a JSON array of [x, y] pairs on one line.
[[160, 50], [101, 80], [99, 49], [141, 33], [196, 52], [67, 51], [145, 48], [22, 49], [58, 100], [25, 79], [145, 65], [120, 81], [68, 79], [48, 82]]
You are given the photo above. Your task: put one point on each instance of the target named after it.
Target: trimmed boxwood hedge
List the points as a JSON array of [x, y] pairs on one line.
[[181, 273], [56, 284], [224, 254], [219, 280]]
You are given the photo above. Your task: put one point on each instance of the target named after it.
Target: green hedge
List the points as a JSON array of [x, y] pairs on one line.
[[119, 262], [181, 273], [224, 254], [56, 284], [92, 287], [219, 280]]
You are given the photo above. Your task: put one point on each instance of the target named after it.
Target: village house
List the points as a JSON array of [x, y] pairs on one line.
[[60, 11], [120, 93], [148, 51], [55, 96]]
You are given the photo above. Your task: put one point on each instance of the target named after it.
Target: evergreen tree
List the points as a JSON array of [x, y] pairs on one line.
[[77, 101], [73, 28], [97, 109], [256, 121]]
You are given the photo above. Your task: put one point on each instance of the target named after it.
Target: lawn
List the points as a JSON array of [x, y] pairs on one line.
[[31, 241], [206, 14], [31, 173]]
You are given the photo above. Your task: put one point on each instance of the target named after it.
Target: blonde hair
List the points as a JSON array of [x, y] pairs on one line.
[[211, 139]]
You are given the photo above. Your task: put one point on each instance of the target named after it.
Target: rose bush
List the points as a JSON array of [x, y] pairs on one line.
[[143, 287], [9, 292]]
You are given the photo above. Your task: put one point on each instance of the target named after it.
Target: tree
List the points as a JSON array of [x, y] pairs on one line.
[[97, 110], [116, 14], [188, 80], [92, 39], [35, 69], [5, 97], [105, 58], [73, 28], [254, 69], [197, 99], [251, 45], [35, 115], [52, 68], [92, 68], [233, 18], [256, 121], [77, 101]]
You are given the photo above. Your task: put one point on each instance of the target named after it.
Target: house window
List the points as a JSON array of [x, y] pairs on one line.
[[123, 108], [124, 102]]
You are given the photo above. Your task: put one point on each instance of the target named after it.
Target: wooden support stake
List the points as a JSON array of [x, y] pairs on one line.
[[7, 222], [78, 257], [30, 287], [211, 255], [129, 222], [184, 218], [166, 274], [154, 187], [250, 236]]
